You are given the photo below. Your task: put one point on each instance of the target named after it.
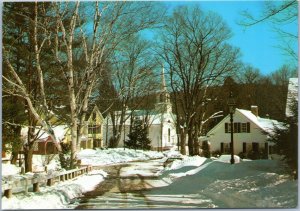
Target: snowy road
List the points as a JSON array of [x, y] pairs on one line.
[[124, 186], [190, 182], [139, 185]]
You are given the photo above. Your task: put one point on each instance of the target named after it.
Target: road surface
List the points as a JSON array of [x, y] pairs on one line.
[[124, 187]]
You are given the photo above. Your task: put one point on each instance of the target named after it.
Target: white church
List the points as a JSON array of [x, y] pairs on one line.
[[161, 121]]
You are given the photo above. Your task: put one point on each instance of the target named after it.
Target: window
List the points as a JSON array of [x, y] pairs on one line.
[[227, 128], [244, 128], [90, 130], [222, 147], [237, 127], [97, 129], [94, 129], [169, 135]]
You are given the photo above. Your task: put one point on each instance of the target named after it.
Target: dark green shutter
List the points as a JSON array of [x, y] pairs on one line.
[[248, 127]]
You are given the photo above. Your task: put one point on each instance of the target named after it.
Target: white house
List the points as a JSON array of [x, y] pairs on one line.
[[250, 132], [291, 95], [161, 121]]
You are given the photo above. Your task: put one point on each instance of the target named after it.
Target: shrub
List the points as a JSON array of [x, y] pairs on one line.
[[65, 156]]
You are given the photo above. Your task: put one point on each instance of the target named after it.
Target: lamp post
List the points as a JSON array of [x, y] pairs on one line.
[[231, 104]]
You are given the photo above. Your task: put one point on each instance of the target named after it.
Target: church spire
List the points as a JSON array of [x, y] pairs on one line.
[[163, 81], [163, 98]]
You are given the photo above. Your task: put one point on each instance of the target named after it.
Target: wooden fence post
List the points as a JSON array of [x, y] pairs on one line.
[[8, 193], [50, 182], [36, 187]]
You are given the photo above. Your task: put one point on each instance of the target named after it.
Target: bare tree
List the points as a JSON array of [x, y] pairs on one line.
[[113, 23], [195, 50], [279, 14], [249, 75], [133, 79]]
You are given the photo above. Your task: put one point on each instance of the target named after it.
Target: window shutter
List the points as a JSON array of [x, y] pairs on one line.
[[226, 127], [236, 127], [239, 127], [222, 147], [244, 147], [248, 127]]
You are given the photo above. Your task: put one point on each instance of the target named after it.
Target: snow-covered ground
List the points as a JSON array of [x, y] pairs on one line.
[[59, 195], [251, 184], [189, 182], [109, 156]]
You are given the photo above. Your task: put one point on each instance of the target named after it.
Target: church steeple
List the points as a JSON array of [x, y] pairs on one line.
[[163, 81], [163, 98]]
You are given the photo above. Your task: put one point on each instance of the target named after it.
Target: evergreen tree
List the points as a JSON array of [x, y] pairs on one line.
[[286, 138], [138, 137]]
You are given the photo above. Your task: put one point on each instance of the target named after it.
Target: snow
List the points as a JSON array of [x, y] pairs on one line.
[[57, 196], [292, 95], [227, 158], [189, 182], [61, 194], [10, 169], [59, 132], [265, 124], [100, 157], [187, 161], [251, 184]]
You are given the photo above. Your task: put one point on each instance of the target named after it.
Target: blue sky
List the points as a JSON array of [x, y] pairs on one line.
[[257, 43]]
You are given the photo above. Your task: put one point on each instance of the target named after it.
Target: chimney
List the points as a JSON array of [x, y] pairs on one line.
[[254, 110]]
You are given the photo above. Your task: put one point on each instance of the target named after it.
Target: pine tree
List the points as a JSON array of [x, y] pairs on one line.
[[138, 137], [286, 138]]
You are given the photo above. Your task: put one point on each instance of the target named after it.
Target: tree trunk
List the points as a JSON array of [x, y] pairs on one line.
[[73, 142], [196, 146], [28, 154], [182, 142], [14, 157], [190, 143]]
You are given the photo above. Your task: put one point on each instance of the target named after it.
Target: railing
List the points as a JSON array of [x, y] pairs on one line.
[[19, 183]]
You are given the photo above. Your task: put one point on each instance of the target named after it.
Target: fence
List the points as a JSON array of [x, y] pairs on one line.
[[19, 183]]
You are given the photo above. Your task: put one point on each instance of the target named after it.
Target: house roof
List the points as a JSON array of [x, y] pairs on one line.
[[59, 131], [267, 125], [154, 116], [95, 110]]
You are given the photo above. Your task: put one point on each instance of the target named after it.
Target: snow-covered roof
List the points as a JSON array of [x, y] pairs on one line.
[[292, 95], [154, 116], [267, 125], [59, 131]]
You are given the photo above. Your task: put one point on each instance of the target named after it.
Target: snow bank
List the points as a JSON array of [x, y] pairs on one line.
[[187, 161], [9, 169], [119, 155], [172, 152], [226, 159], [40, 161], [252, 184], [57, 196]]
